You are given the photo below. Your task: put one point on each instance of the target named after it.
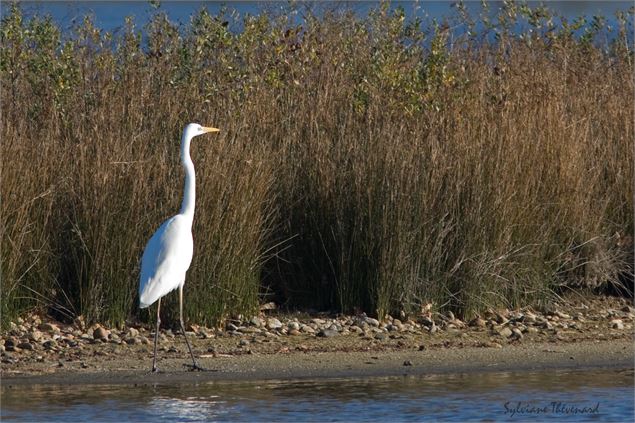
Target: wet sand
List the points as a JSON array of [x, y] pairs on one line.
[[297, 365]]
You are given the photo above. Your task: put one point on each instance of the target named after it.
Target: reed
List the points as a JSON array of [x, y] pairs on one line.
[[365, 163]]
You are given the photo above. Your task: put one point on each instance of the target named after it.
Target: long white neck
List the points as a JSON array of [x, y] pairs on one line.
[[189, 192]]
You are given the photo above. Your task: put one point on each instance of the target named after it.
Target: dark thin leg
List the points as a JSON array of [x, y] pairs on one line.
[[194, 365], [156, 337]]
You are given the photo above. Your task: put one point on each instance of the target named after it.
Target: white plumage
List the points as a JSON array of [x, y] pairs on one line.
[[168, 254], [166, 259]]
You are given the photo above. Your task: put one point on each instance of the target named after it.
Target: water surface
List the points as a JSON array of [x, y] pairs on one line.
[[547, 396]]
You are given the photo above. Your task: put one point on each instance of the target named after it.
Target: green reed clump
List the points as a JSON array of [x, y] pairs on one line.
[[364, 162]]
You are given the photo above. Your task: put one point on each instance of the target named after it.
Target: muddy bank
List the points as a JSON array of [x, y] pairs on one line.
[[576, 334], [540, 356]]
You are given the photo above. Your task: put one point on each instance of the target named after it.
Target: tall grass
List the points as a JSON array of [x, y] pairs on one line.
[[364, 163]]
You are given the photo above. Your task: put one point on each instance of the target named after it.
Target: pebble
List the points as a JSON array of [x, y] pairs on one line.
[[294, 326], [407, 363], [248, 329], [100, 333], [426, 321], [133, 332], [35, 336], [26, 346], [517, 333], [372, 322], [562, 315], [327, 333], [477, 322], [48, 327], [273, 323], [505, 332], [256, 321], [307, 329], [615, 324]]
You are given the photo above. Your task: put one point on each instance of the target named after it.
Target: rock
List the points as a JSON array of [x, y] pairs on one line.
[[407, 363], [426, 321], [529, 317], [505, 332], [26, 346], [273, 323], [143, 340], [100, 333], [371, 321], [307, 329], [517, 333], [133, 332], [615, 324], [627, 309], [231, 327], [562, 315], [86, 337], [327, 333], [477, 322], [243, 343], [255, 321], [381, 336], [10, 342], [35, 336], [422, 348], [294, 332], [294, 326], [546, 325], [268, 306], [49, 327]]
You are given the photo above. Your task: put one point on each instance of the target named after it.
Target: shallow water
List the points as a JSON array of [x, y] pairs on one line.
[[607, 396]]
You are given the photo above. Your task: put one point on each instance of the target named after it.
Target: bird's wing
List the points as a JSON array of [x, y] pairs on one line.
[[166, 258]]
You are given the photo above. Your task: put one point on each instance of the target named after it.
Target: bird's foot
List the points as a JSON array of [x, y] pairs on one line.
[[195, 368]]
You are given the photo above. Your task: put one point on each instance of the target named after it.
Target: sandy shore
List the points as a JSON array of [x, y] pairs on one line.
[[540, 356], [582, 334]]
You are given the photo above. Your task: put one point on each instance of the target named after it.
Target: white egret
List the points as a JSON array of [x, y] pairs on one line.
[[168, 254]]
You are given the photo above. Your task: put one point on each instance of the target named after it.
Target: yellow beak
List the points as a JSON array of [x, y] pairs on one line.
[[210, 129]]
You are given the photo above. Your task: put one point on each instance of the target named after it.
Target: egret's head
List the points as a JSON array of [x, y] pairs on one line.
[[194, 129]]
